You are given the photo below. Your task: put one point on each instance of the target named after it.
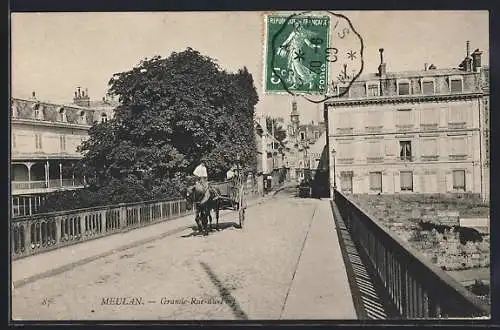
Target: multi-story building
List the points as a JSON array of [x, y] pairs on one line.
[[270, 152], [304, 145], [424, 131], [44, 141]]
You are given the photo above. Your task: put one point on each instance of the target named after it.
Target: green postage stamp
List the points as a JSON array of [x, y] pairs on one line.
[[297, 54]]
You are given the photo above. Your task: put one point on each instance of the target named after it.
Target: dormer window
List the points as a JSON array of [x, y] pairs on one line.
[[428, 86], [83, 117], [403, 87], [372, 89], [62, 114], [456, 84], [37, 111], [343, 91]]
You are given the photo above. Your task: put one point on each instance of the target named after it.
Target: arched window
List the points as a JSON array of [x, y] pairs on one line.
[[62, 114], [104, 118]]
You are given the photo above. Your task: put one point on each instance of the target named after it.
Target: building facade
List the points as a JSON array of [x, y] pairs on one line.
[[304, 145], [423, 131], [44, 142]]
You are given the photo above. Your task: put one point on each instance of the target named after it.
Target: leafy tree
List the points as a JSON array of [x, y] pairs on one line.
[[173, 113], [279, 130]]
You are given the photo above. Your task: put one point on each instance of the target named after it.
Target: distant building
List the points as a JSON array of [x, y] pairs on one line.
[[304, 145], [424, 131], [44, 141]]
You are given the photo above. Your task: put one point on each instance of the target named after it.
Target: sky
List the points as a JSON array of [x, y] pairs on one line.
[[54, 53]]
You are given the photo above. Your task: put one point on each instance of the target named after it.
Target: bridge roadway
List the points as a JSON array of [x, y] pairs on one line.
[[286, 263]]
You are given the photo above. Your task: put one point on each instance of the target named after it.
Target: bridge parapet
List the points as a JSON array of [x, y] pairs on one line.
[[416, 287], [43, 232]]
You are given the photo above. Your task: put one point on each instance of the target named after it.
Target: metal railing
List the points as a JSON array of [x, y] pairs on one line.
[[35, 234], [417, 288], [53, 183]]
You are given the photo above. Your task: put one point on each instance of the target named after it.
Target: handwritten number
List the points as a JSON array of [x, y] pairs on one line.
[[332, 51]]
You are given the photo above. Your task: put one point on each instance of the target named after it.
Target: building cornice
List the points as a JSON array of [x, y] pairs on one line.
[[394, 99], [50, 123]]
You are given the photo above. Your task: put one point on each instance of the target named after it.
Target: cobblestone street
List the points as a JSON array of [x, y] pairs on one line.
[[231, 274]]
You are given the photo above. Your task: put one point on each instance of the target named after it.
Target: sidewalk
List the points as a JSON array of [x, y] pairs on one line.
[[320, 289], [32, 268]]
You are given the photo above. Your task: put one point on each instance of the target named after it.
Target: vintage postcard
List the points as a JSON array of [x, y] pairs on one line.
[[250, 166]]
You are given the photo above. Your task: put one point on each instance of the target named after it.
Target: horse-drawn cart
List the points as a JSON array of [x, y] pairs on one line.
[[233, 197]]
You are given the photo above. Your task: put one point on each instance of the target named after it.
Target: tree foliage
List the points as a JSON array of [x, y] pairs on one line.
[[173, 113], [279, 130]]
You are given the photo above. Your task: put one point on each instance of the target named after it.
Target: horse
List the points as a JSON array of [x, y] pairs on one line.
[[204, 199]]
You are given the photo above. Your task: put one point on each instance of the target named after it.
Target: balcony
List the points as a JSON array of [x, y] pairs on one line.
[[371, 160], [429, 127], [373, 129], [429, 158], [458, 157], [28, 186]]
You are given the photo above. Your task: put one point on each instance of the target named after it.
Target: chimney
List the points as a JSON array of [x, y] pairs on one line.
[[425, 66], [476, 60], [33, 95], [79, 93], [382, 66], [87, 92]]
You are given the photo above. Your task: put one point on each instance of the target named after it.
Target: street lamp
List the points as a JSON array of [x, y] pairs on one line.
[[334, 173]]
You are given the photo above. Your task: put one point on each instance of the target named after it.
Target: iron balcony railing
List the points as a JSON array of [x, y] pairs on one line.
[[416, 287]]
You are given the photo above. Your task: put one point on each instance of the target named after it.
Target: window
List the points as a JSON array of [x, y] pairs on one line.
[[376, 181], [83, 117], [38, 141], [104, 118], [373, 121], [405, 150], [429, 118], [37, 112], [459, 180], [346, 181], [302, 136], [458, 146], [343, 91], [13, 140], [429, 149], [372, 90], [316, 135], [428, 87], [406, 180], [457, 116], [345, 152], [404, 118], [403, 88], [62, 142], [62, 115], [456, 85], [344, 120], [374, 151]]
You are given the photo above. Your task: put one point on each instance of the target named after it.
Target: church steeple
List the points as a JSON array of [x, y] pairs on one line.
[[294, 120]]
